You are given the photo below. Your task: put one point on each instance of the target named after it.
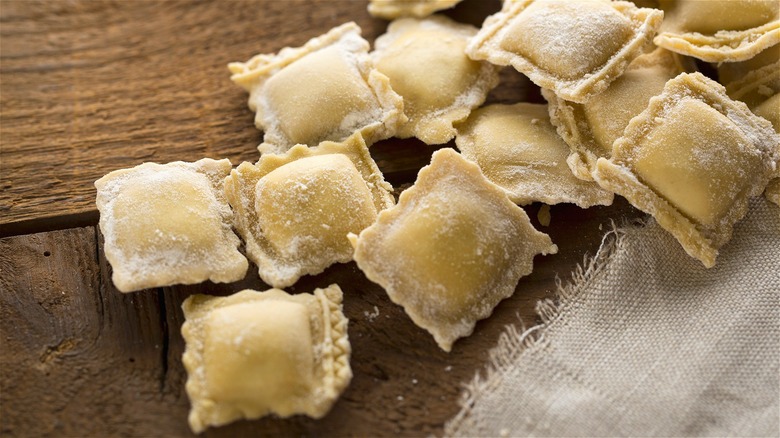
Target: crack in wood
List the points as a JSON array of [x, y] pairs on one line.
[[165, 339], [101, 286], [52, 351], [50, 223]]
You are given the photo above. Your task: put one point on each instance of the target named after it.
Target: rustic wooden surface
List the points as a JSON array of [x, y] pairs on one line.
[[87, 87]]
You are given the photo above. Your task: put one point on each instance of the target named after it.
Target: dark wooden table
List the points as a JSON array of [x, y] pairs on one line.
[[87, 87]]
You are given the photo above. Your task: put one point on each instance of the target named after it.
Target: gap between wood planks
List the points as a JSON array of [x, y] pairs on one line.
[[50, 223]]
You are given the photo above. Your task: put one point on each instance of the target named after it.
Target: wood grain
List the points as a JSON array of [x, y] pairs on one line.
[[76, 355], [88, 87], [79, 358]]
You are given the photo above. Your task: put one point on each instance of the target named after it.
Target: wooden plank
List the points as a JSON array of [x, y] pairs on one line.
[[79, 358], [88, 87]]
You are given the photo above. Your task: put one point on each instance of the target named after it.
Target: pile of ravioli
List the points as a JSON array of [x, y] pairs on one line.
[[627, 114]]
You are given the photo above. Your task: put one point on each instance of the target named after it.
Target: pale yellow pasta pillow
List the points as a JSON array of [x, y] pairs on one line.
[[518, 149], [168, 224], [575, 48], [451, 249], [590, 128], [391, 9], [427, 66], [719, 30], [692, 160], [757, 83], [257, 353], [294, 210], [328, 89]]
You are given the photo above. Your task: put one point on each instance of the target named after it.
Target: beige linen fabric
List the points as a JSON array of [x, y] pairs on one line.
[[646, 342]]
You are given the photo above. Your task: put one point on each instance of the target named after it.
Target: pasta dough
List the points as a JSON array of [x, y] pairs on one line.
[[427, 66], [733, 72], [391, 9], [452, 248], [256, 353], [327, 89], [575, 49], [518, 149], [692, 160], [168, 224], [294, 210], [719, 30], [757, 83], [590, 128]]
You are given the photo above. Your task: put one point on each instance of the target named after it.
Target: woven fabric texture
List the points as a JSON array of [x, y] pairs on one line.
[[645, 342]]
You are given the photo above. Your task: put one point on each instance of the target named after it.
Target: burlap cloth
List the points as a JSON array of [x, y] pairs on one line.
[[645, 342]]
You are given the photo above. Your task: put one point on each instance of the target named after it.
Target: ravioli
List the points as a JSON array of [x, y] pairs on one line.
[[451, 249], [328, 89], [427, 66], [719, 30], [294, 210], [575, 49], [518, 149], [692, 160], [391, 9], [167, 224], [590, 128], [257, 353], [757, 83], [733, 72]]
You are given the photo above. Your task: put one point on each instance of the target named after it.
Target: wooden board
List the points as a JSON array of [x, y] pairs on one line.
[[79, 358], [87, 87], [92, 86]]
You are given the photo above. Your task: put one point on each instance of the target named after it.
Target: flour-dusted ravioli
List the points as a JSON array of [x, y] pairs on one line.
[[590, 128], [719, 30], [257, 353], [451, 249], [327, 89], [294, 210], [733, 72], [575, 48], [692, 159], [757, 83], [518, 149], [427, 66], [391, 9], [168, 224]]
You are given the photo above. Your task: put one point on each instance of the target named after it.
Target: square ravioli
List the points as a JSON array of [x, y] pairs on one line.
[[590, 128], [575, 49], [167, 224], [391, 9], [451, 249], [518, 149], [328, 89], [256, 353], [692, 159], [733, 72], [294, 210], [427, 66], [755, 82], [719, 30]]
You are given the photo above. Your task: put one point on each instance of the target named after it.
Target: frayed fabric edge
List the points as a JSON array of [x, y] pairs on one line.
[[514, 341]]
